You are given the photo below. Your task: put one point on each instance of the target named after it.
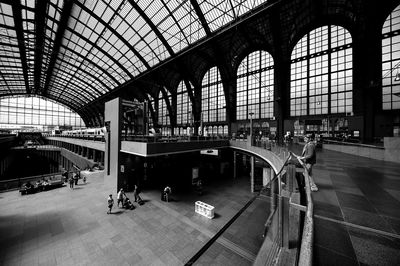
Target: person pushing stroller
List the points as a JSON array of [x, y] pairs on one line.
[[128, 204]]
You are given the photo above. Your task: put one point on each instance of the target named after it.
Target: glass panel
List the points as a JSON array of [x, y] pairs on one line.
[[320, 71], [391, 62], [34, 111]]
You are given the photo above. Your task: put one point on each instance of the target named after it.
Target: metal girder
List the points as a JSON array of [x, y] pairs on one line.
[[200, 15], [233, 9], [83, 81], [87, 73], [101, 50], [63, 91], [107, 25], [65, 15], [174, 19], [91, 63], [16, 7], [152, 26], [40, 15]]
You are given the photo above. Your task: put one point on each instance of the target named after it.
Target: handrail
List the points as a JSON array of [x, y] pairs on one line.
[[306, 250], [328, 141]]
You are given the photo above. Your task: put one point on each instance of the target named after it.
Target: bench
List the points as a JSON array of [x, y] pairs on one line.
[[51, 182]]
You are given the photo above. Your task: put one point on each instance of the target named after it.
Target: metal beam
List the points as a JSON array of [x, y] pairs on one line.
[[174, 19], [152, 26], [16, 7], [107, 25], [200, 15], [104, 52], [65, 15], [91, 63], [40, 15], [78, 85], [86, 73]]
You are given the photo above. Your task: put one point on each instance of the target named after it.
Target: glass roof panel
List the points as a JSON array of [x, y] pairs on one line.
[[51, 20], [221, 12], [217, 13], [104, 44], [11, 74]]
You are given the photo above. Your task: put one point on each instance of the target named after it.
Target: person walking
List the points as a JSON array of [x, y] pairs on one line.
[[110, 202], [309, 157], [120, 197]]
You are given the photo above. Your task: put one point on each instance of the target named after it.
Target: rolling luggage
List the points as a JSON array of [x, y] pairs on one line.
[[139, 200]]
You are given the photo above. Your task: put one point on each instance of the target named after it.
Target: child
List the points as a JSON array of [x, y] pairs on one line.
[[110, 202]]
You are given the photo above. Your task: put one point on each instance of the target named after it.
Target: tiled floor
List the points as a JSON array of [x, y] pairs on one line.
[[357, 222], [71, 227], [364, 193]]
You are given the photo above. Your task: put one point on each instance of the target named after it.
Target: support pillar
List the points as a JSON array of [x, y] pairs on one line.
[[102, 157], [234, 165], [252, 163], [94, 155], [112, 120]]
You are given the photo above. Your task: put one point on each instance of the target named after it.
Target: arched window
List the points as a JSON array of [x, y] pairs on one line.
[[163, 115], [321, 78], [255, 86], [391, 61], [213, 105], [183, 106], [36, 112]]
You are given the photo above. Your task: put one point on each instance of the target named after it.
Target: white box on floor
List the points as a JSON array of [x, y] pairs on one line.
[[204, 209]]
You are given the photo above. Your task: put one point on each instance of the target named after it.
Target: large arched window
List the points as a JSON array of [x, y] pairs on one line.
[[163, 115], [213, 105], [183, 106], [255, 86], [391, 61], [36, 112], [321, 79]]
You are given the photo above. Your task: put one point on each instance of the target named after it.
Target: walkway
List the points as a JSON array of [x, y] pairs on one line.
[[357, 222], [71, 227], [357, 211]]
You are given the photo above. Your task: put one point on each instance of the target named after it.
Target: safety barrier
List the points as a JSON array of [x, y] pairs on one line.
[[204, 209]]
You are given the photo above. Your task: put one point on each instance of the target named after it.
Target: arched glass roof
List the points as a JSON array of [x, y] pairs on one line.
[[74, 51]]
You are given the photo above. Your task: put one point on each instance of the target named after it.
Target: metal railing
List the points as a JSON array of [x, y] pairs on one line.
[[307, 240], [177, 138], [283, 151], [82, 137]]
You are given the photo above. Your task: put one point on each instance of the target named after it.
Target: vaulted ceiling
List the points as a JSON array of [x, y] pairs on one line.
[[76, 52]]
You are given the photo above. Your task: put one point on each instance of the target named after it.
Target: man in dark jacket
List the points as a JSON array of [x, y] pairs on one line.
[[309, 157]]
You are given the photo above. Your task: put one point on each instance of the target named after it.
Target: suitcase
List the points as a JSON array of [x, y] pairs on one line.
[[139, 200], [163, 196]]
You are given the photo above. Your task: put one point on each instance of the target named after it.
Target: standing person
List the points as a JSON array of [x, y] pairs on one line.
[[76, 177], [120, 197], [136, 193], [110, 202], [167, 193], [309, 157], [71, 182]]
